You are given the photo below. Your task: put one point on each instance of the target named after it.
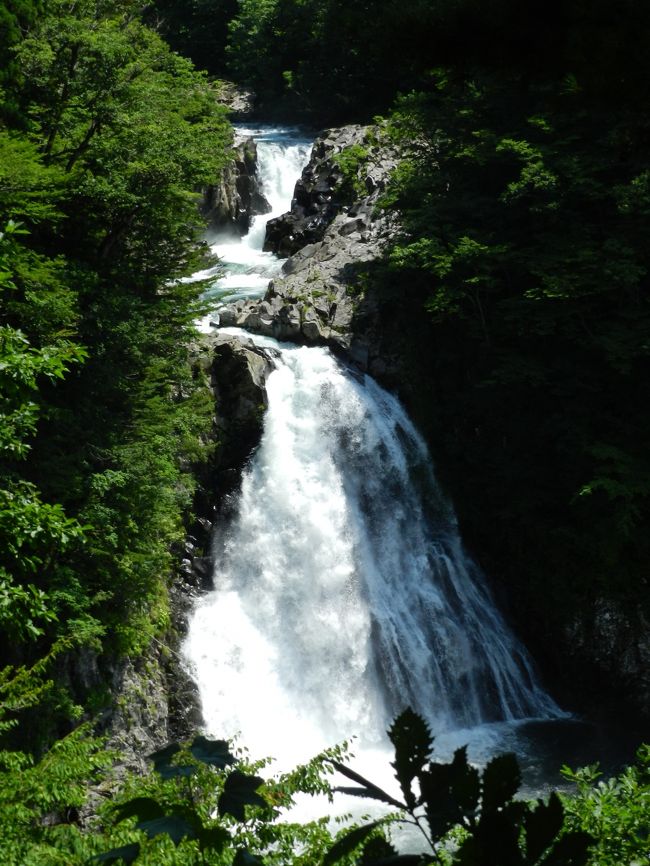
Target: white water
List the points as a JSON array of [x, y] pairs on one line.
[[281, 155]]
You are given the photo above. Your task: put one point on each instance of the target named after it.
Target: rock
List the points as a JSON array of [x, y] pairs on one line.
[[238, 100], [230, 204], [239, 374], [609, 648], [318, 196]]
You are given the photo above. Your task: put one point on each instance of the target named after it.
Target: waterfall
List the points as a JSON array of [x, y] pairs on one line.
[[342, 589]]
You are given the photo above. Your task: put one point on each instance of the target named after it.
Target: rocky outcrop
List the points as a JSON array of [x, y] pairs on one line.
[[608, 649], [239, 374], [238, 100], [230, 204], [318, 196], [334, 230]]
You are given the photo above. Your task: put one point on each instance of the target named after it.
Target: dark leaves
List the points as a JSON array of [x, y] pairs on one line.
[[143, 808], [501, 781], [571, 850], [173, 825], [542, 826], [127, 854], [371, 790], [346, 844], [411, 737], [450, 794], [240, 791], [213, 752], [163, 766]]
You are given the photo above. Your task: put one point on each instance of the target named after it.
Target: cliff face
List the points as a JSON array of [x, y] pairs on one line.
[[231, 203]]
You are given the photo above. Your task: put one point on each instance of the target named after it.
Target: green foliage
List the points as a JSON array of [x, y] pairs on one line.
[[209, 804], [205, 804], [615, 811], [351, 160], [108, 138], [523, 206]]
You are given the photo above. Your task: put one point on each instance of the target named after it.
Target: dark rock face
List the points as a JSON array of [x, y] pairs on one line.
[[231, 204], [316, 198], [608, 648], [239, 374]]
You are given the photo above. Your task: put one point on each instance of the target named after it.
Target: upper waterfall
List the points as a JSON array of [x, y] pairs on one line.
[[244, 269]]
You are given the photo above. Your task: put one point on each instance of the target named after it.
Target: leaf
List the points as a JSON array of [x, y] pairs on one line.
[[245, 858], [144, 808], [542, 826], [175, 827], [173, 771], [441, 811], [127, 853], [346, 844], [501, 780], [239, 791], [214, 752], [163, 766], [465, 782], [162, 757], [214, 838], [497, 837], [571, 850], [411, 737], [372, 790]]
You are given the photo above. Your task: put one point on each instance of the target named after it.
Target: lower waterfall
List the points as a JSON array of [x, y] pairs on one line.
[[342, 592]]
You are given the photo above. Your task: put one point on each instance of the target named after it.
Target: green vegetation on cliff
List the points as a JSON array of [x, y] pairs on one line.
[[106, 135], [525, 211]]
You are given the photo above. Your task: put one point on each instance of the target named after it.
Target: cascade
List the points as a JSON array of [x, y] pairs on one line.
[[281, 154], [342, 591]]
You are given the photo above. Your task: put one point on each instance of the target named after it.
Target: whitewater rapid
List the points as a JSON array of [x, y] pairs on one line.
[[244, 269]]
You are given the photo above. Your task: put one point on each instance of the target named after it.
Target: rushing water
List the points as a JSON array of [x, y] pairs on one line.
[[342, 590]]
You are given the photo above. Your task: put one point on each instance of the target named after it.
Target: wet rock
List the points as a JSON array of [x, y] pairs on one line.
[[230, 204], [239, 373]]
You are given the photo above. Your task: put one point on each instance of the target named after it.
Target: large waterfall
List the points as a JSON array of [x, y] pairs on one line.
[[342, 592]]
